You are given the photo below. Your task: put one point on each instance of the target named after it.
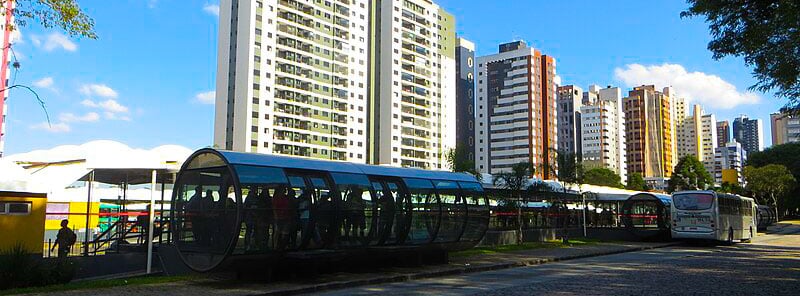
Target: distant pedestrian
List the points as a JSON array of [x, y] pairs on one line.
[[64, 239]]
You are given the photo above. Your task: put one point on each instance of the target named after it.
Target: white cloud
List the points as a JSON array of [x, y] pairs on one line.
[[212, 9], [100, 90], [705, 89], [54, 41], [206, 97], [116, 116], [88, 117], [46, 82], [109, 105], [152, 3], [53, 128], [557, 80]]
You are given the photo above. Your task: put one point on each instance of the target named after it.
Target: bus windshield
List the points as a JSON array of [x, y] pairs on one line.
[[693, 201]]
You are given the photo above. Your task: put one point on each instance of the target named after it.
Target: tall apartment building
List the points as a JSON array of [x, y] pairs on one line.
[[687, 130], [708, 140], [723, 132], [413, 99], [516, 109], [465, 99], [344, 80], [292, 78], [603, 131], [569, 119], [649, 132], [785, 128], [591, 96], [728, 164], [748, 132], [677, 108]]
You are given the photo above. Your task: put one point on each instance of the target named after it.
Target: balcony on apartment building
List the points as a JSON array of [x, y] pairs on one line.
[[416, 48], [416, 80], [415, 122], [416, 101], [415, 90], [415, 111], [416, 133], [297, 6]]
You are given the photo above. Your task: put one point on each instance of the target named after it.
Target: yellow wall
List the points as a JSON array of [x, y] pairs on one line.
[[27, 229], [730, 176], [78, 219]]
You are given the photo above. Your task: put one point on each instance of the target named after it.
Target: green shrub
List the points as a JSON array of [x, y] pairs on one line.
[[19, 269]]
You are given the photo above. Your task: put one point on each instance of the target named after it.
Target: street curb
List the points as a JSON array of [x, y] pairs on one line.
[[453, 271]]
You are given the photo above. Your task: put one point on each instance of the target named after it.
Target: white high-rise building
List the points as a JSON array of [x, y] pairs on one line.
[[292, 78], [708, 141], [354, 80], [697, 135], [729, 161], [687, 130], [414, 95], [603, 130]]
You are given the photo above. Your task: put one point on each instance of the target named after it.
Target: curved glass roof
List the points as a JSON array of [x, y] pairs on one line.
[[257, 159]]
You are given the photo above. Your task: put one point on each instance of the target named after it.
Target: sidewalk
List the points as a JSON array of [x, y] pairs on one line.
[[457, 265]]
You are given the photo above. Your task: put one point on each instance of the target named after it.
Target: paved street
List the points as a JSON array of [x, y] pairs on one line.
[[768, 266]]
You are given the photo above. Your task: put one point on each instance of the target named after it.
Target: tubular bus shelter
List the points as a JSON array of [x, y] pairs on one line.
[[229, 205], [647, 215]]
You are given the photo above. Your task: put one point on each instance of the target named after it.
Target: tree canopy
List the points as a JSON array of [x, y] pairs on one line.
[[602, 177], [771, 182], [514, 181], [689, 174], [787, 155], [459, 161], [636, 182], [766, 33], [570, 170], [64, 14]]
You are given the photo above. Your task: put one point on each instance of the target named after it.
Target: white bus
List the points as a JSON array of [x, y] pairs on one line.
[[715, 216]]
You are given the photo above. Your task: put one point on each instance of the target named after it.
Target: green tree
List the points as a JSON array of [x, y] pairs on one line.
[[514, 181], [636, 182], [765, 32], [689, 174], [602, 177], [771, 181], [64, 14], [728, 187], [787, 155], [570, 170], [459, 161]]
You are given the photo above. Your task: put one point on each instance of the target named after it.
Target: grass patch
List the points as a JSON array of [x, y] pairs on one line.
[[486, 250], [99, 284]]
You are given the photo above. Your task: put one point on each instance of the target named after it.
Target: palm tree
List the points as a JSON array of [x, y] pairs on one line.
[[514, 181]]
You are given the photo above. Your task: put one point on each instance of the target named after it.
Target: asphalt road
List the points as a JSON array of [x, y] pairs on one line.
[[770, 265]]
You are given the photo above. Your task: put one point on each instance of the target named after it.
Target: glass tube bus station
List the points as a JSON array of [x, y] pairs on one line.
[[232, 206]]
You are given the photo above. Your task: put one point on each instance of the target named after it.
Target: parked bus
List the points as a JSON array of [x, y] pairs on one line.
[[713, 216]]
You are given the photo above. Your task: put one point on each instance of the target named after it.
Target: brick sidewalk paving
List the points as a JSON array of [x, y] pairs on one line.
[[457, 265]]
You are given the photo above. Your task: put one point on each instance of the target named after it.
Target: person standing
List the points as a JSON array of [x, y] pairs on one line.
[[64, 239]]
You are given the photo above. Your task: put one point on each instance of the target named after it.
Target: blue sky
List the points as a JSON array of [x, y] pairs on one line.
[[139, 82]]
